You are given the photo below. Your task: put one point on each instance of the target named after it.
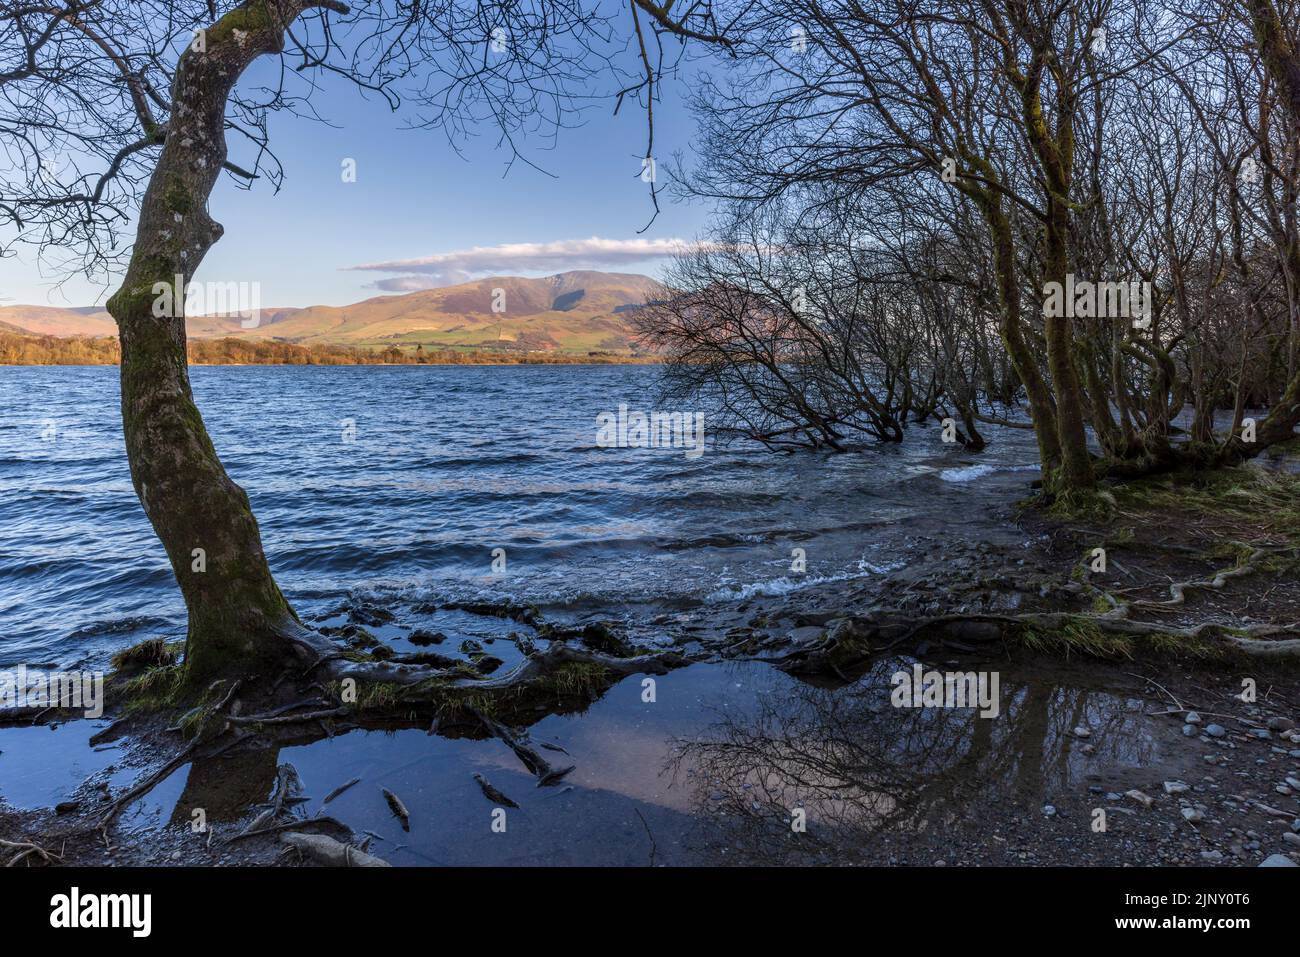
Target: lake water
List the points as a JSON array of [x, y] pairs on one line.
[[395, 485]]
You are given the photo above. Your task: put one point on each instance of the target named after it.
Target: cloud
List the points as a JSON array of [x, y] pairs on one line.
[[406, 283], [443, 269]]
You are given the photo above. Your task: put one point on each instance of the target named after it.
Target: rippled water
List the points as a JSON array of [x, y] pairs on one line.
[[447, 464]]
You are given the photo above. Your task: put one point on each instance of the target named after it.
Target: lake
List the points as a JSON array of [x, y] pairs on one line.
[[395, 484]]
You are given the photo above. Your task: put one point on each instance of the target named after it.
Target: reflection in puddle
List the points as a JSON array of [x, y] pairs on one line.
[[711, 770]]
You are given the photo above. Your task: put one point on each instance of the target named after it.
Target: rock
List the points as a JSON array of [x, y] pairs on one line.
[[1189, 730], [1211, 855], [1192, 718], [1294, 782], [1295, 825], [1215, 730], [1260, 733], [1278, 860], [1049, 810], [810, 634], [1292, 838], [1082, 732], [1192, 816], [1143, 799], [1280, 724], [1176, 787]]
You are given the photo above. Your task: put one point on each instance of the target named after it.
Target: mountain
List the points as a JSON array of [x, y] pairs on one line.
[[55, 321], [578, 312]]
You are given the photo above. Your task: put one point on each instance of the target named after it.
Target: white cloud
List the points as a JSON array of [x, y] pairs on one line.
[[444, 269]]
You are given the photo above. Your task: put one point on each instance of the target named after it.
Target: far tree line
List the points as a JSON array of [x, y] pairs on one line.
[[29, 350]]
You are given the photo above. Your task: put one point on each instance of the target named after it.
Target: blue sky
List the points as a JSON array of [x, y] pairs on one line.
[[415, 197]]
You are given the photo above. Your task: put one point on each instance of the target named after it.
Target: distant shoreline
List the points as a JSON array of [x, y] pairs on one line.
[[31, 350]]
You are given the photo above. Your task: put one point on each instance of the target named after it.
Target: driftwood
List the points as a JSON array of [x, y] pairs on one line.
[[398, 808], [339, 790], [320, 820], [518, 743], [331, 853], [491, 793]]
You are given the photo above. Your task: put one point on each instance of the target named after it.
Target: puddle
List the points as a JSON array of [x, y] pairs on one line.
[[41, 765], [710, 771]]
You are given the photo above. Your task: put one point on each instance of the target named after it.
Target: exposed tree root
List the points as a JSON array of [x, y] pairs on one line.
[[27, 851], [883, 629], [324, 658], [329, 852]]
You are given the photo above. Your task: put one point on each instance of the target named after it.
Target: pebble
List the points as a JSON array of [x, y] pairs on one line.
[[1192, 718], [1294, 782], [1192, 816], [1278, 860], [1215, 730], [1189, 730], [1280, 724], [1295, 825], [1292, 838], [1261, 733], [1049, 810], [1176, 787], [1082, 732], [1211, 855], [1143, 799]]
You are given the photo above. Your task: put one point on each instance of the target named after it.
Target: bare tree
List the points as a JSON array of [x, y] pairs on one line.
[[115, 110]]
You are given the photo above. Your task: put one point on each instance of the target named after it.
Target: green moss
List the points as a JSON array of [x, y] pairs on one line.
[[253, 17], [177, 196]]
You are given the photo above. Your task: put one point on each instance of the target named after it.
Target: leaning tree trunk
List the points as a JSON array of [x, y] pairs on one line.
[[237, 616]]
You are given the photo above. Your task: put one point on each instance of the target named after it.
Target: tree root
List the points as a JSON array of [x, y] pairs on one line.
[[329, 852], [1178, 590], [882, 629], [324, 656], [26, 850]]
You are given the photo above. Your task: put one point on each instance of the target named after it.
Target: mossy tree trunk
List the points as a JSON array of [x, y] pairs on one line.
[[1054, 150], [237, 614]]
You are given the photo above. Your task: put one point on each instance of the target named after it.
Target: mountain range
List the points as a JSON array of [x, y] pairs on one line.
[[572, 312]]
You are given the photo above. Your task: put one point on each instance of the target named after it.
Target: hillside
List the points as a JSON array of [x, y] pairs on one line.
[[573, 312]]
